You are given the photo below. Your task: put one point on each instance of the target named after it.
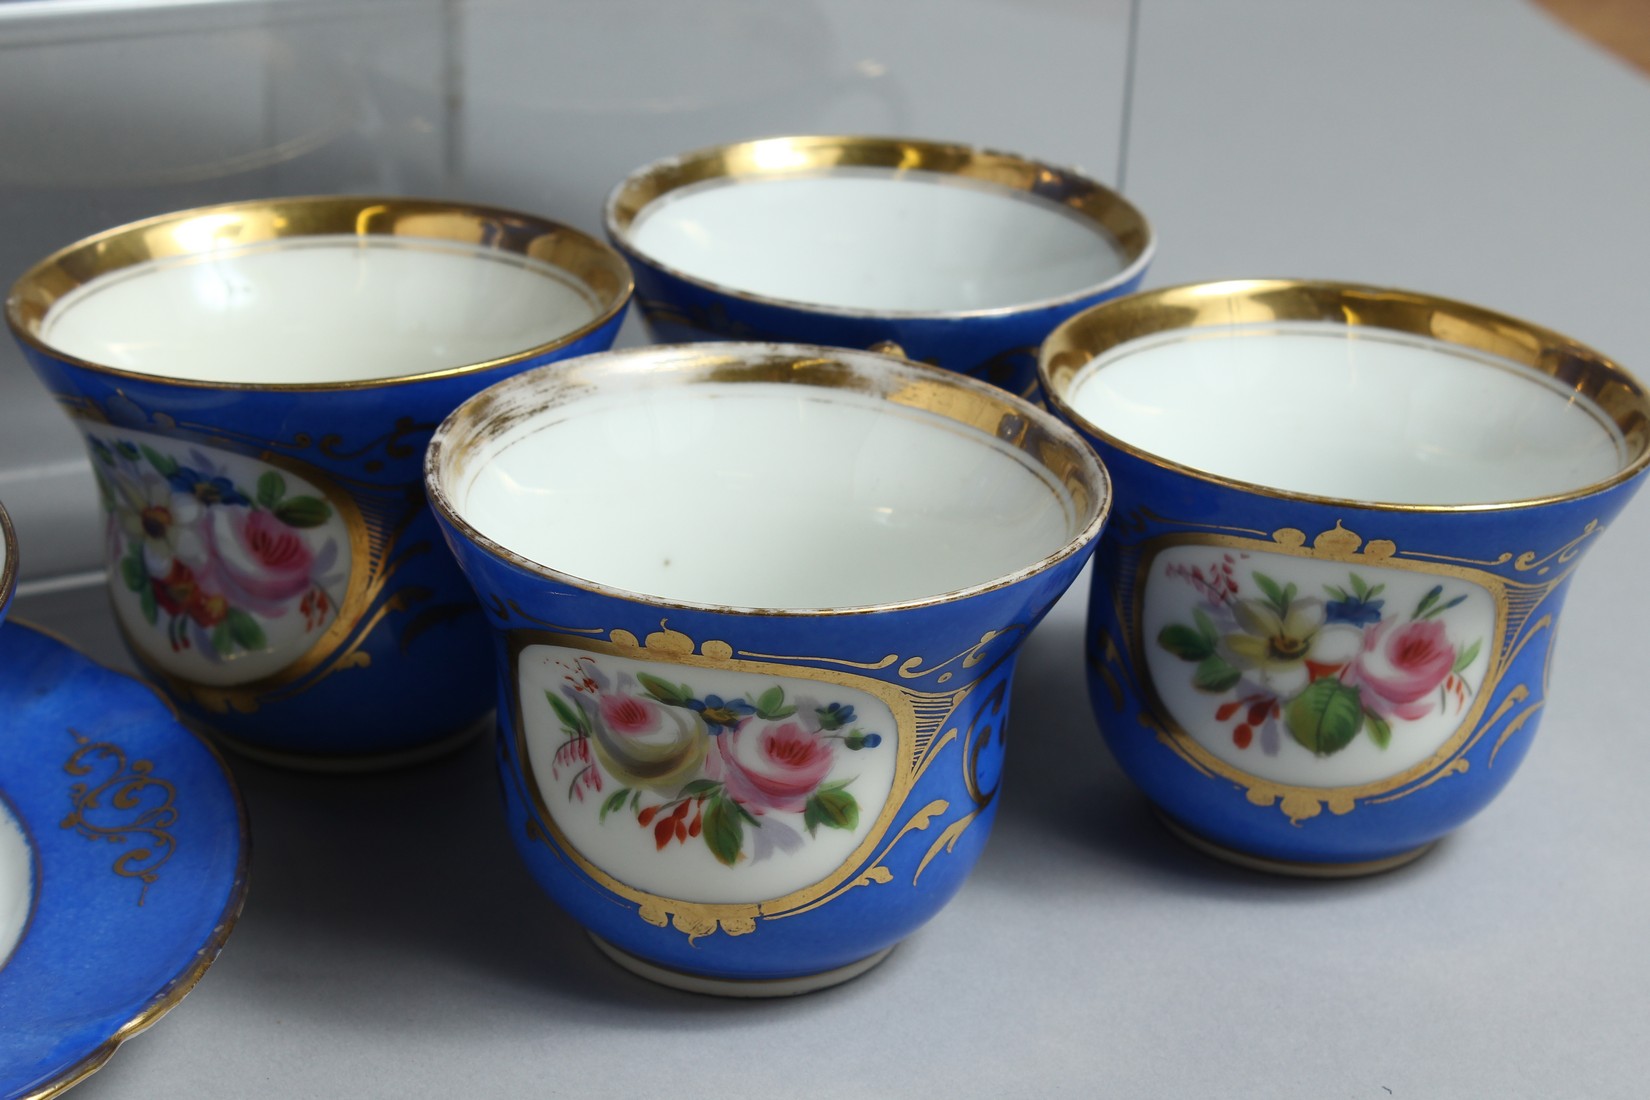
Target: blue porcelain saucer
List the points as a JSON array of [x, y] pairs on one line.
[[123, 850]]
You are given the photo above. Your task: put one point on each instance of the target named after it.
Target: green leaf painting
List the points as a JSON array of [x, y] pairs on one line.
[[245, 631], [1185, 643], [614, 802], [771, 704], [133, 572], [724, 830], [831, 807], [677, 695], [572, 719], [1380, 730], [1325, 717], [222, 640], [271, 488], [1215, 675], [165, 465], [303, 512], [1467, 656]]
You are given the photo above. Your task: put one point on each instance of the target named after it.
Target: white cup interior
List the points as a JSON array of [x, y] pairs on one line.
[[877, 239], [754, 494], [1358, 413], [318, 310], [16, 881]]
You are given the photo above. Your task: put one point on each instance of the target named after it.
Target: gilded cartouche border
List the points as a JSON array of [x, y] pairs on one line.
[[694, 917], [364, 586], [1336, 545]]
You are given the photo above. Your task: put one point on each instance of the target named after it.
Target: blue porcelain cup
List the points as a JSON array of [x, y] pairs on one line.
[[756, 608], [964, 257], [256, 384], [1346, 520]]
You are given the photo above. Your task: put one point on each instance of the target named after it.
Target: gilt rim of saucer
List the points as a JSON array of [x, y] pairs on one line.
[[597, 266], [1610, 387], [8, 566], [181, 984], [811, 155]]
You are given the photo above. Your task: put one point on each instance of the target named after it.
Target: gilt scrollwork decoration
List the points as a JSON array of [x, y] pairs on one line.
[[124, 804]]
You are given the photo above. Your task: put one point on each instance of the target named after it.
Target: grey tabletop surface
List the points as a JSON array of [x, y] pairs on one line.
[[393, 946]]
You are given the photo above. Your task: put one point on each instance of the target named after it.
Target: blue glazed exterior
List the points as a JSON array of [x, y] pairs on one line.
[[1541, 547], [844, 762], [998, 346], [403, 668], [134, 896], [417, 670], [1324, 685], [941, 824]]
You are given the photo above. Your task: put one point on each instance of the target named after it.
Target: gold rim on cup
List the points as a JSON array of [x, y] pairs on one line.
[[203, 231], [993, 412], [812, 156], [1186, 308]]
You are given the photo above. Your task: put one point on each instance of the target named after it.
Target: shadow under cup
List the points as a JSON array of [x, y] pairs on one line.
[[1345, 523], [756, 610], [256, 383]]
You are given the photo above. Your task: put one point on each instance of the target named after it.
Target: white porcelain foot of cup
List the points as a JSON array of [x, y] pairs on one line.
[[1298, 869], [738, 987]]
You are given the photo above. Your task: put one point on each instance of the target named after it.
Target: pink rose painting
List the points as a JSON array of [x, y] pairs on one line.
[[628, 715], [644, 745], [698, 767], [209, 562], [1400, 666], [771, 765], [1323, 667], [261, 560]]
